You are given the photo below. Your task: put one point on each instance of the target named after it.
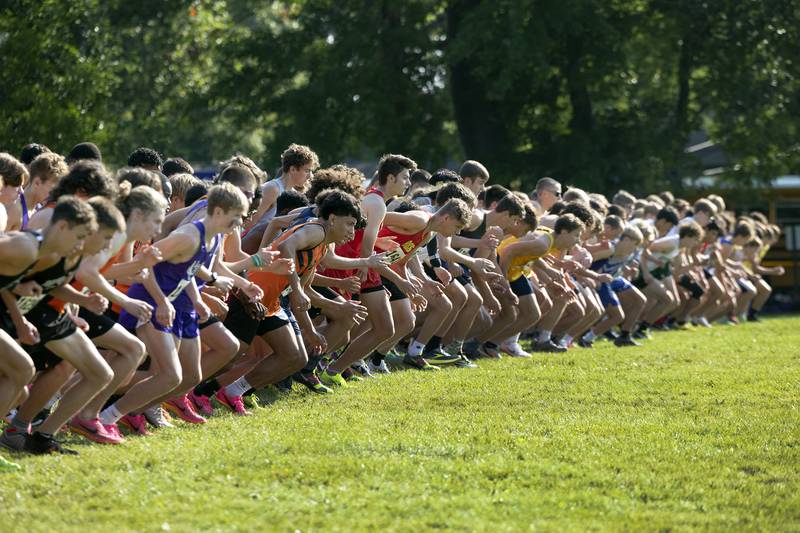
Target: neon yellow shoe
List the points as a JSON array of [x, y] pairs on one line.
[[8, 466], [332, 380]]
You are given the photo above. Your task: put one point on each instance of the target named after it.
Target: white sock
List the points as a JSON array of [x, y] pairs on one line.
[[238, 387], [565, 340], [110, 414], [544, 335], [590, 336], [415, 348]]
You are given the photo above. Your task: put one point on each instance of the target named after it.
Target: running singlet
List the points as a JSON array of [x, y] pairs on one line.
[[24, 205], [409, 244], [610, 265], [518, 264], [274, 285], [173, 278], [9, 282], [49, 279]]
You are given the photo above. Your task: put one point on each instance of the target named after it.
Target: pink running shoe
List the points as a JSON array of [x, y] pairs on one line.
[[112, 429], [135, 424], [202, 403], [93, 430], [234, 403], [182, 408]]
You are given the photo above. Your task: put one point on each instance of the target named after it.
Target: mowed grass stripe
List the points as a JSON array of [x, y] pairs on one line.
[[698, 429]]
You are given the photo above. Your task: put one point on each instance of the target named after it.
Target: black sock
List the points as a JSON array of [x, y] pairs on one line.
[[434, 344], [377, 358], [625, 334], [208, 388], [644, 325], [313, 361], [490, 344], [111, 401], [249, 392]]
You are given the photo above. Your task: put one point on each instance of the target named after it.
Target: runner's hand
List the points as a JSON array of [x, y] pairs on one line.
[[351, 284], [29, 288], [300, 302], [386, 243], [148, 256], [377, 260], [96, 303], [216, 306], [418, 303], [352, 310], [444, 276], [27, 332], [315, 342], [281, 267], [455, 269], [143, 311], [253, 291], [203, 312], [224, 283], [165, 314]]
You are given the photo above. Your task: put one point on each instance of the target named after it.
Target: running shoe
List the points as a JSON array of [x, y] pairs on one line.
[[489, 350], [625, 340], [113, 429], [418, 362], [285, 385], [183, 409], [439, 356], [39, 419], [157, 417], [585, 343], [39, 444], [332, 380], [470, 348], [202, 404], [361, 368], [381, 368], [610, 335], [251, 401], [135, 424], [312, 382], [8, 466], [13, 439], [548, 346], [642, 333], [701, 321], [513, 349], [93, 430], [234, 403], [464, 362]]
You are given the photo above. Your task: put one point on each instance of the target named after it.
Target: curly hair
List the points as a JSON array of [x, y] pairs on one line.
[[297, 156], [340, 177], [87, 177]]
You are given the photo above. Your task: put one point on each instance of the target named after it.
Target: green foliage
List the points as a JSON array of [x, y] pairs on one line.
[[598, 94], [696, 430]]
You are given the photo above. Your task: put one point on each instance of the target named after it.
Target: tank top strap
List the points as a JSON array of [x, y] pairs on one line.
[[24, 204]]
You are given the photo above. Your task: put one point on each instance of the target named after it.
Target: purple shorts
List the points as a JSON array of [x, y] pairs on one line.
[[184, 326]]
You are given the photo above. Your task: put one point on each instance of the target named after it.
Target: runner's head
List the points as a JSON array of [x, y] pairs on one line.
[[32, 151], [452, 217], [742, 233], [109, 222], [489, 196], [456, 190], [136, 176], [241, 177], [529, 222], [143, 209], [444, 175], [82, 151], [86, 178], [298, 163], [73, 221], [176, 165], [145, 158], [227, 207], [548, 192], [394, 174], [474, 175], [713, 231], [510, 211], [690, 234], [630, 239], [181, 183], [290, 200], [666, 219], [752, 247], [46, 170], [567, 231], [15, 176], [342, 212], [625, 200], [703, 211], [339, 177], [612, 228], [420, 179]]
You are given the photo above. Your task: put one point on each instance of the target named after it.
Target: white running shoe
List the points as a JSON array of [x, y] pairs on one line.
[[513, 349], [156, 417], [378, 369]]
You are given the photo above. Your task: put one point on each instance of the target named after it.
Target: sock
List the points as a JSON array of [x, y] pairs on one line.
[[111, 401], [52, 401], [207, 388], [590, 336], [249, 392], [625, 334], [110, 415], [459, 346], [490, 344], [313, 361], [544, 335], [434, 344], [644, 325], [377, 358], [415, 348], [238, 387], [565, 340]]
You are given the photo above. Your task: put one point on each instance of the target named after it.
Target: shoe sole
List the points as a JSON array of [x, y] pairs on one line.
[[179, 413], [88, 435]]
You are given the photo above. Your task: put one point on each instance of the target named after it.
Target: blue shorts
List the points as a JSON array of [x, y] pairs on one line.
[[184, 325], [521, 286], [608, 291]]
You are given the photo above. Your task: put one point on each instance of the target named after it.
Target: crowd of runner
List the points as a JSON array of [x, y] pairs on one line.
[[135, 299]]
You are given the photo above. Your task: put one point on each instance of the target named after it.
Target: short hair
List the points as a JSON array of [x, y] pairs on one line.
[[493, 193], [194, 193], [755, 242], [48, 166], [75, 212], [420, 176], [615, 210], [713, 226], [669, 214], [32, 151], [340, 177], [455, 190], [511, 205], [289, 200], [743, 230], [759, 216], [176, 165], [548, 184], [718, 201], [529, 218], [652, 208], [238, 159], [444, 175], [690, 229], [623, 199], [614, 221], [298, 155], [13, 172], [107, 214], [704, 206], [144, 198], [574, 194], [580, 210], [457, 209], [473, 169], [667, 197], [392, 165], [632, 233], [227, 197], [557, 208], [656, 199], [145, 156], [568, 223], [339, 203], [84, 150], [598, 206], [680, 204], [238, 175], [88, 178], [181, 183], [137, 176]]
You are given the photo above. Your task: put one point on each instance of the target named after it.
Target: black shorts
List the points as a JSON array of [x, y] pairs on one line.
[[395, 294], [210, 322], [98, 324], [43, 359], [521, 286], [692, 286], [53, 325], [245, 328], [325, 292]]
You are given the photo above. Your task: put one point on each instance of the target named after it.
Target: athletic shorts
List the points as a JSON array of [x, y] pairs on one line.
[[521, 286], [210, 322], [692, 286], [608, 291], [52, 325], [372, 283], [98, 324], [746, 285], [325, 292], [184, 325], [245, 328], [286, 307], [395, 294], [43, 359], [709, 272]]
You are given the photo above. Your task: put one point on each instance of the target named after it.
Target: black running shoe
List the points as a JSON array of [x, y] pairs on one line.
[[284, 385], [642, 334], [39, 444], [40, 417], [548, 346], [583, 343], [311, 381], [418, 362], [464, 362], [625, 340], [610, 335]]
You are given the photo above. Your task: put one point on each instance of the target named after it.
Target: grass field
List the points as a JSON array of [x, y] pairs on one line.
[[697, 430]]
